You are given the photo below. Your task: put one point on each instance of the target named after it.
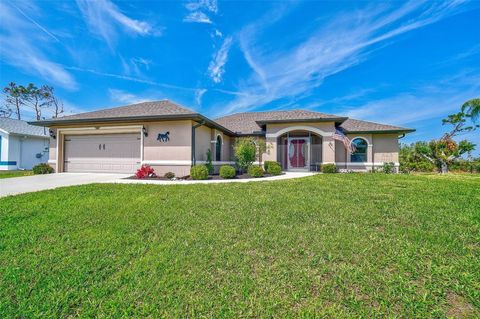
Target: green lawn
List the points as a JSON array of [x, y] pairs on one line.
[[344, 245], [8, 174]]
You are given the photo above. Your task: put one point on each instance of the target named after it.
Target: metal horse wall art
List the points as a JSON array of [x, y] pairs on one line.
[[163, 137]]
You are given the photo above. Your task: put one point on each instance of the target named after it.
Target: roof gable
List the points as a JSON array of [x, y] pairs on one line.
[[250, 122]]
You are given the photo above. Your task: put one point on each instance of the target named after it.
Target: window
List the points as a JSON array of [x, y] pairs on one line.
[[360, 154], [218, 149]]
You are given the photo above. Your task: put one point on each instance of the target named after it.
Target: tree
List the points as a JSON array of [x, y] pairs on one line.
[[14, 97], [18, 98], [472, 108], [444, 151], [55, 105], [245, 152], [262, 147]]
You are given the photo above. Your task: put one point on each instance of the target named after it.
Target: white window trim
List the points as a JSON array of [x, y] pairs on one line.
[[312, 129]]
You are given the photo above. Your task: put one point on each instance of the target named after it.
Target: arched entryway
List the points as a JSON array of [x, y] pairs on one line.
[[299, 150]]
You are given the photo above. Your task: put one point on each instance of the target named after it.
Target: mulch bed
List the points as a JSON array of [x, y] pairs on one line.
[[188, 178]]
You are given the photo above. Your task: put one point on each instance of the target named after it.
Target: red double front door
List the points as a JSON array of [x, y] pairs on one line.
[[297, 153]]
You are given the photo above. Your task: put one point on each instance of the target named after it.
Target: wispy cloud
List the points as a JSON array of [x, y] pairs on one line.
[[424, 102], [199, 9], [135, 65], [104, 18], [346, 40], [216, 68], [198, 17], [127, 98], [198, 96], [50, 34], [129, 78], [21, 43]]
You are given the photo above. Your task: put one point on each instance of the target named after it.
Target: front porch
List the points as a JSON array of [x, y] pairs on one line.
[[299, 151]]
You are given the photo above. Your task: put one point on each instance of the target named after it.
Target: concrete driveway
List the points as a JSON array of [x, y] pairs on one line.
[[19, 185]]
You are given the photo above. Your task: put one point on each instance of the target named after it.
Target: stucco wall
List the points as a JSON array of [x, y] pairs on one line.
[[227, 141], [4, 146], [203, 138], [30, 147], [386, 148], [340, 152], [176, 149], [23, 150], [52, 154]]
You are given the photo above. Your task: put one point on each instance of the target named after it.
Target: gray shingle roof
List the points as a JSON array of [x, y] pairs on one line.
[[152, 109], [352, 125], [249, 122], [13, 126], [241, 123]]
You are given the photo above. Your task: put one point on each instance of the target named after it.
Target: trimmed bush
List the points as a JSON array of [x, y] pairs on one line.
[[256, 171], [266, 164], [328, 168], [274, 168], [227, 171], [199, 172], [209, 163], [388, 168], [169, 175], [42, 168]]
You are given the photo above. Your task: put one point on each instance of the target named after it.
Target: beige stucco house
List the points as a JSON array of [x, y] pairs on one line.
[[169, 137]]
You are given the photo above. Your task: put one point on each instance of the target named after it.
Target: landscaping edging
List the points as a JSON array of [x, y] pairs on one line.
[[287, 175]]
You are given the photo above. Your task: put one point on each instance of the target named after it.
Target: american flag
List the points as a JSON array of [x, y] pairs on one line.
[[338, 135]]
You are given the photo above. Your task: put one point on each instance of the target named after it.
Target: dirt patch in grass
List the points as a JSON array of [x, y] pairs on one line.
[[458, 307]]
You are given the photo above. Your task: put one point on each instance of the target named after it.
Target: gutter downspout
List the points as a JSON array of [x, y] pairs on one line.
[[194, 160]]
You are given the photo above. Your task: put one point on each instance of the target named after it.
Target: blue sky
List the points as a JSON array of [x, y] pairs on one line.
[[403, 63]]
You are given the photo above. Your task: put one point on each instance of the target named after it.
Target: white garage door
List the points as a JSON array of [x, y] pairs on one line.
[[116, 153]]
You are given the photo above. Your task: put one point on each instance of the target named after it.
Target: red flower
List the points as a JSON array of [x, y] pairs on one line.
[[144, 172]]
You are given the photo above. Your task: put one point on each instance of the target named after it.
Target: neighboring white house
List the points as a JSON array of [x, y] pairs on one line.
[[22, 145]]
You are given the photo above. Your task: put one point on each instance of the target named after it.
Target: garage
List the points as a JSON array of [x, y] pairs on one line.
[[102, 153]]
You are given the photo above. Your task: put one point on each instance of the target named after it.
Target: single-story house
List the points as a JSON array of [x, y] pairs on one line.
[[22, 145], [171, 138]]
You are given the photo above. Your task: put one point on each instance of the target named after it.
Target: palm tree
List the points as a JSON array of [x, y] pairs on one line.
[[472, 108]]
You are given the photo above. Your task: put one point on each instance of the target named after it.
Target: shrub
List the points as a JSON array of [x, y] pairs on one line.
[[169, 175], [245, 152], [227, 171], [388, 168], [256, 171], [209, 164], [274, 168], [144, 172], [266, 164], [42, 168], [199, 172], [328, 168]]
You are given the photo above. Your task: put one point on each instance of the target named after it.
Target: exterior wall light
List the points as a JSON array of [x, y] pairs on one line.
[[52, 134], [144, 131]]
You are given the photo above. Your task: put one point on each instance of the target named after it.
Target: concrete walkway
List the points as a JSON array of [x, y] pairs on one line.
[[26, 184], [287, 175]]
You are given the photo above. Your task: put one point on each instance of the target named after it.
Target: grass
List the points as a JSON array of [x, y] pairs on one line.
[[9, 174], [344, 245]]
